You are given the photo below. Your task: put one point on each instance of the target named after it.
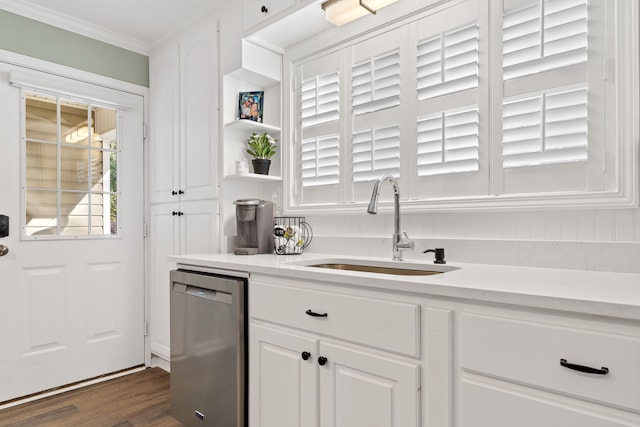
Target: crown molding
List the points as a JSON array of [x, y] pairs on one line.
[[65, 22]]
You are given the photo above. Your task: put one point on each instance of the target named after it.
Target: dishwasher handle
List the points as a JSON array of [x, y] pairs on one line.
[[197, 292]]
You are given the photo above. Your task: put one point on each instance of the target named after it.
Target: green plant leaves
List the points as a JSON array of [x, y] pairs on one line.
[[261, 146]]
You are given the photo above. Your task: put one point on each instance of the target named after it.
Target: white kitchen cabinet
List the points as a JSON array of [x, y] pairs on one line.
[[176, 228], [528, 369], [184, 175], [184, 117], [261, 13], [298, 336], [283, 383], [359, 388]]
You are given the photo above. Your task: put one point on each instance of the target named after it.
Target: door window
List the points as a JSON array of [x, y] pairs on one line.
[[70, 158]]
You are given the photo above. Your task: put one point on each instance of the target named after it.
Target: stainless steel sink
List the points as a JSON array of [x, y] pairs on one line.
[[377, 266]]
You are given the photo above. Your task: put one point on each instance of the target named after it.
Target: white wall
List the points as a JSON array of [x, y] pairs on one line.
[[604, 239]]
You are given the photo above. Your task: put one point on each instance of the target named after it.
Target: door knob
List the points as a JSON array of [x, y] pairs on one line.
[[3, 250]]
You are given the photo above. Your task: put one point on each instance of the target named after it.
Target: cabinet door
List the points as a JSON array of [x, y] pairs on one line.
[[257, 12], [361, 389], [282, 384], [164, 239], [164, 130], [199, 113], [199, 225]]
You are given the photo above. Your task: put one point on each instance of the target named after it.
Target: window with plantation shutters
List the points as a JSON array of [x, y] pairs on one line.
[[448, 142], [517, 103], [544, 35], [376, 151], [320, 99], [546, 128], [320, 161], [318, 111], [376, 83], [448, 63]]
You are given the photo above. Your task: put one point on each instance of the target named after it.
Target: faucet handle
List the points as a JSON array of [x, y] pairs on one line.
[[404, 242]]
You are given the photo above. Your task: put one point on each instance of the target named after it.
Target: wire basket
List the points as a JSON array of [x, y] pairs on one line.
[[291, 235]]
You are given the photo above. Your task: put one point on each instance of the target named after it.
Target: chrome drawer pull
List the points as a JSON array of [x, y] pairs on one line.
[[582, 368], [314, 314]]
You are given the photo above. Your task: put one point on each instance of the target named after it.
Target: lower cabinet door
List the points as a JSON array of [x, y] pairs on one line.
[[484, 406], [358, 388], [282, 378]]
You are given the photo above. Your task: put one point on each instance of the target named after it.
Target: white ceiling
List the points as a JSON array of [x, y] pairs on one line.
[[133, 24]]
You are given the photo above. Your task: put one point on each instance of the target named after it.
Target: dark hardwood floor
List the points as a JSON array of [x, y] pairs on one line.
[[139, 399]]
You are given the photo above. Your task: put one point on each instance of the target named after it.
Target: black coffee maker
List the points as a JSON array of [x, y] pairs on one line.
[[254, 220]]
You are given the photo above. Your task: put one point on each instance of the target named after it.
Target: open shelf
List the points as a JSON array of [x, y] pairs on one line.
[[251, 126], [253, 177]]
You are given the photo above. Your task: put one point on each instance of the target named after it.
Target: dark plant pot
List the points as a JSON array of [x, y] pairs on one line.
[[261, 166]]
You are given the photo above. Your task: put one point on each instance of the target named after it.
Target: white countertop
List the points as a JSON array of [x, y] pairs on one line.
[[599, 293]]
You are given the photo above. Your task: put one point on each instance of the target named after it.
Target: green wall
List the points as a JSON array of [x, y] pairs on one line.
[[36, 39]]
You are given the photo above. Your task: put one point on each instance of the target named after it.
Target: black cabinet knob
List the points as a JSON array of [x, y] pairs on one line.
[[305, 355], [180, 192], [174, 213], [264, 9], [174, 193], [322, 360]]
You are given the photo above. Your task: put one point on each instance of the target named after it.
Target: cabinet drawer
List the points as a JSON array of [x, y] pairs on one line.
[[388, 325], [531, 353]]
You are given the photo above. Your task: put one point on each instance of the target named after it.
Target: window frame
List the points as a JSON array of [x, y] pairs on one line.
[[90, 103], [622, 78]]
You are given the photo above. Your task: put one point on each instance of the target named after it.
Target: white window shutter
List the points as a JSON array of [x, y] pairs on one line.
[[448, 63], [448, 142], [544, 35], [319, 99], [546, 128], [320, 161], [376, 83], [376, 151]]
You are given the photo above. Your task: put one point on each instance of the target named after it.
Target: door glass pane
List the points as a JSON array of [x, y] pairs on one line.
[[74, 213], [79, 169], [74, 168], [41, 215], [104, 217], [42, 165], [74, 122], [41, 118]]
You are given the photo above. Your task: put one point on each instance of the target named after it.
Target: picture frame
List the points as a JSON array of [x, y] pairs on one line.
[[250, 106]]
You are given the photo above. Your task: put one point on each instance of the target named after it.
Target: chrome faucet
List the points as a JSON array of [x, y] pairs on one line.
[[401, 241]]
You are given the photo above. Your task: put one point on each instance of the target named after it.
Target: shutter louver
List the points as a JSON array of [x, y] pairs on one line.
[[320, 161], [448, 142], [546, 128], [376, 151], [319, 101], [448, 63], [376, 83], [543, 36]]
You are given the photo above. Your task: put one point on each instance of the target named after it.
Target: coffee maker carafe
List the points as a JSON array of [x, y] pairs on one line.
[[254, 220]]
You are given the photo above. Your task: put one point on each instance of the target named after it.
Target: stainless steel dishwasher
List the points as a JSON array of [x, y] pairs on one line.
[[208, 348]]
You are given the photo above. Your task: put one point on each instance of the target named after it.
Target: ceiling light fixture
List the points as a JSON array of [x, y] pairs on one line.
[[340, 12]]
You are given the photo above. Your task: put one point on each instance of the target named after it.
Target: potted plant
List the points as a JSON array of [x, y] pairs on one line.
[[261, 147]]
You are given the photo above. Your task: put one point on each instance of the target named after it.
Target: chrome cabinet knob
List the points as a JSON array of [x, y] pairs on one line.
[[3, 250]]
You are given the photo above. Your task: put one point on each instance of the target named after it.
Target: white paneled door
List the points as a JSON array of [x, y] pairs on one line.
[[71, 296]]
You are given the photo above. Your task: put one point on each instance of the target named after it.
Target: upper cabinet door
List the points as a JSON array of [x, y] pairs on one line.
[[257, 12], [164, 131], [199, 97]]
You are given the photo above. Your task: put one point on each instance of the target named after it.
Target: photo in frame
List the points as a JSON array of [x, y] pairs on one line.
[[250, 106]]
